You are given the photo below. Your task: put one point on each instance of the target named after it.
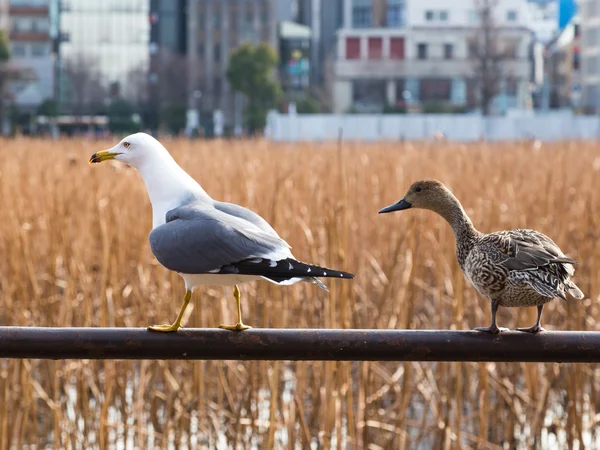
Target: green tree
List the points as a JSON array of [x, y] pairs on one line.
[[251, 71], [49, 108], [120, 117]]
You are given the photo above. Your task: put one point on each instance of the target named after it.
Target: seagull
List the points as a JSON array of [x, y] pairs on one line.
[[207, 241]]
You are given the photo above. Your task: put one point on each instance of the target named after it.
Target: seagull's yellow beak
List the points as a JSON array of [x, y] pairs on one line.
[[104, 155]]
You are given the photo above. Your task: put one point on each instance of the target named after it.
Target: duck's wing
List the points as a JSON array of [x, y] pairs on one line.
[[528, 250]]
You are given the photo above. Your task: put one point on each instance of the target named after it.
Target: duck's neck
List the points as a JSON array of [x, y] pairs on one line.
[[168, 186], [464, 231]]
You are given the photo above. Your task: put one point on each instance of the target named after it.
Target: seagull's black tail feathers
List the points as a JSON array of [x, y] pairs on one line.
[[285, 271]]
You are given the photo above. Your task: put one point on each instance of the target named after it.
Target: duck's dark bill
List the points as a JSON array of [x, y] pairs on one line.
[[402, 204]]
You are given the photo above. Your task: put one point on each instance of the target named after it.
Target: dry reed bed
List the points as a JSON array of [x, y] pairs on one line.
[[75, 253]]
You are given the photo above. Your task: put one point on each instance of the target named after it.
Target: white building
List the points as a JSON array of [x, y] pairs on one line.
[[590, 54], [111, 35], [426, 58], [31, 49]]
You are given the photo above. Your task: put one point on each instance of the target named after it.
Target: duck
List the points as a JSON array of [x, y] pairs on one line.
[[511, 268]]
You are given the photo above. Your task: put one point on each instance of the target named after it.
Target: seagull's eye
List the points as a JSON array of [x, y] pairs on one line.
[[126, 144], [418, 189]]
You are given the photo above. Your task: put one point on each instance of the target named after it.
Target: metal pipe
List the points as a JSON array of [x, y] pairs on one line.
[[298, 344]]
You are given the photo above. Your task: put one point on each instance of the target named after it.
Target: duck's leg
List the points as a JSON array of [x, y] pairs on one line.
[[177, 324], [493, 328], [239, 326], [537, 327]]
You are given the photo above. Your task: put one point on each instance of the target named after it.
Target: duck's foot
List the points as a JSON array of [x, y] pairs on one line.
[[166, 328], [491, 329], [237, 327], [534, 329]]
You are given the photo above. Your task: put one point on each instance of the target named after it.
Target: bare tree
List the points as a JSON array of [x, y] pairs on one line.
[[86, 94], [161, 93], [489, 55]]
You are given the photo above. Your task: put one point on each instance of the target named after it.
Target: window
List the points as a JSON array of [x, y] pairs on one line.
[[397, 48], [217, 53], [428, 15], [511, 15], [395, 16], [444, 16], [473, 16], [20, 25], [39, 25], [448, 51], [369, 92], [18, 50], [435, 89], [422, 51], [375, 47], [39, 50], [361, 17], [352, 48]]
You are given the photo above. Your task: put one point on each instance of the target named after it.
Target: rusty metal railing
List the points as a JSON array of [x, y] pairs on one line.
[[298, 344]]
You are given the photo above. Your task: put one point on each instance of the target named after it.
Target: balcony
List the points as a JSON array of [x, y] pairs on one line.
[[29, 36], [28, 10]]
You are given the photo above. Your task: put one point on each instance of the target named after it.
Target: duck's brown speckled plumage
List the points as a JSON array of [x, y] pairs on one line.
[[511, 268]]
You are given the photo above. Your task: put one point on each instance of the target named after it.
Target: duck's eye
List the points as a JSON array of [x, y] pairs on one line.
[[418, 189], [126, 144]]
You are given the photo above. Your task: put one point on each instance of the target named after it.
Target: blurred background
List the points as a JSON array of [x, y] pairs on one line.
[[498, 99], [165, 65]]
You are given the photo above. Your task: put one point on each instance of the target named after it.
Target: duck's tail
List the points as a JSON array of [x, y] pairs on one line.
[[573, 290]]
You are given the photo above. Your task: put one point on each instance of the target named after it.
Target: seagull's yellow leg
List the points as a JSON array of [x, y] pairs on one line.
[[239, 326], [177, 324]]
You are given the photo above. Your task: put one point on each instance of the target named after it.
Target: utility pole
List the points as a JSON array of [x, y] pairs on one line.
[[193, 94]]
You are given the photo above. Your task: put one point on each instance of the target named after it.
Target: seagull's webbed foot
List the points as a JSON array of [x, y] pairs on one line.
[[534, 329], [166, 328], [493, 329], [237, 327]]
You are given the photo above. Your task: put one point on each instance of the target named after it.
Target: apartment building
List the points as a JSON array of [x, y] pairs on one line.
[[412, 53], [590, 54], [31, 46]]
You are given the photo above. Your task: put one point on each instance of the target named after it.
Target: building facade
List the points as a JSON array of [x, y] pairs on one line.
[[112, 37], [213, 28], [563, 68], [31, 47], [324, 18], [414, 53], [590, 54]]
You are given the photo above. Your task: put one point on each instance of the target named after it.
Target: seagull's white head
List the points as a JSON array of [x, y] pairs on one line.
[[133, 150]]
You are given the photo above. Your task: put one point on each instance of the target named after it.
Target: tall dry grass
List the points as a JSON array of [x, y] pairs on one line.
[[73, 240]]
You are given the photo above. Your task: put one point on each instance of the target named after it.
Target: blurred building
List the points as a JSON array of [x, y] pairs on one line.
[[545, 20], [411, 53], [324, 18], [212, 29], [294, 57], [563, 67], [29, 25], [590, 54], [111, 38]]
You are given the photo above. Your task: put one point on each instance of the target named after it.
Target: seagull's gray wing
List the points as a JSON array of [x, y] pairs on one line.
[[244, 213], [198, 238]]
